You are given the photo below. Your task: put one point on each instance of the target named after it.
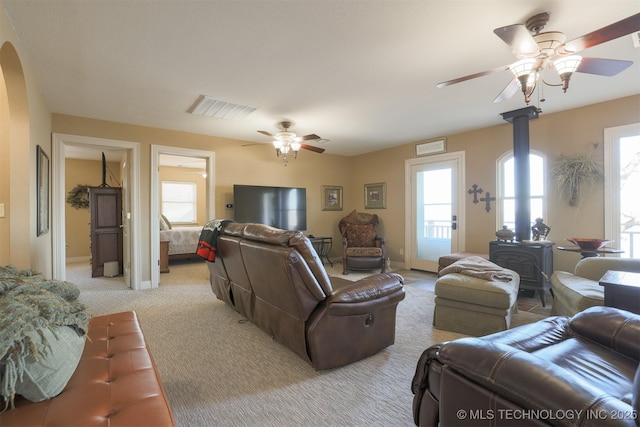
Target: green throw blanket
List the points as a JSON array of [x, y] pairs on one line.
[[29, 304]]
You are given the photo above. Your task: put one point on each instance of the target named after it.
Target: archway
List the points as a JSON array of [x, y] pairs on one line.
[[15, 185]]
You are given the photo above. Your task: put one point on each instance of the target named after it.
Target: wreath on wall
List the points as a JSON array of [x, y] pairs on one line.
[[78, 197]]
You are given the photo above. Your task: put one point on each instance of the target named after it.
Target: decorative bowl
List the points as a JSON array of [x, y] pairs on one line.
[[589, 244]]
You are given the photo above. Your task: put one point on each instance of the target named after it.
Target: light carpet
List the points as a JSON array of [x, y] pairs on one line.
[[220, 370]]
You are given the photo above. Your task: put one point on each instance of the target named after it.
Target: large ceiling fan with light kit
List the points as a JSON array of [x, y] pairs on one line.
[[286, 142], [539, 51]]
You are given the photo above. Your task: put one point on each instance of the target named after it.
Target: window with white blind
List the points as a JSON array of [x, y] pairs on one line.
[[179, 202]]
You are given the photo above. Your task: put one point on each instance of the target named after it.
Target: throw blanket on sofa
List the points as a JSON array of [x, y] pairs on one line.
[[480, 268], [208, 243], [29, 304]]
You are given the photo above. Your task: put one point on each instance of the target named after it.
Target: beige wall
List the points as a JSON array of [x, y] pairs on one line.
[[180, 174], [25, 120], [83, 172], [234, 164], [572, 132]]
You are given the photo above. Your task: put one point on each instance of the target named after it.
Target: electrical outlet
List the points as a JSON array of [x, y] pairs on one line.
[[1, 210], [401, 251]]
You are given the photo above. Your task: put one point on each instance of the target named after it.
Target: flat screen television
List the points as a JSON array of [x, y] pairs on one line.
[[280, 207]]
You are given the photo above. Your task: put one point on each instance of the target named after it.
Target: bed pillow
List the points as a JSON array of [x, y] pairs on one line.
[[167, 224], [48, 376]]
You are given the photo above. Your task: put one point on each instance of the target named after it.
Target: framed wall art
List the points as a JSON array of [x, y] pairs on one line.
[[331, 198], [375, 195], [42, 190], [434, 146]]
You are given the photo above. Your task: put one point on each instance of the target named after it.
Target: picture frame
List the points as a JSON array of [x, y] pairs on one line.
[[375, 195], [432, 146], [42, 190], [331, 197]]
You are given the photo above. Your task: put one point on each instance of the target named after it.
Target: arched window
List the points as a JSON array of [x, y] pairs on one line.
[[506, 214]]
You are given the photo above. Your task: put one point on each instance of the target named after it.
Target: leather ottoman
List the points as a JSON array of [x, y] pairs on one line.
[[473, 306]]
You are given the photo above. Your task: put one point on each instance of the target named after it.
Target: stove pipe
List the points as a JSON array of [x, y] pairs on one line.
[[520, 120]]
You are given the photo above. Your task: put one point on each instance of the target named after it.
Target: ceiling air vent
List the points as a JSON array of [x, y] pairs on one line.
[[211, 107]]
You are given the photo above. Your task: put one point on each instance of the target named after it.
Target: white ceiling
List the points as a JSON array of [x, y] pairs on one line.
[[361, 74]]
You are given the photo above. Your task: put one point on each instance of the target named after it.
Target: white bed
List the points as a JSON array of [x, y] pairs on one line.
[[182, 240]]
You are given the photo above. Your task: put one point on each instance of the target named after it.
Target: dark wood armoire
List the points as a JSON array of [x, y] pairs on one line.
[[105, 206]]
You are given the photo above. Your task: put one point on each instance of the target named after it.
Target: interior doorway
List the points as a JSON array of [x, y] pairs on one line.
[[129, 154], [434, 204], [157, 153]]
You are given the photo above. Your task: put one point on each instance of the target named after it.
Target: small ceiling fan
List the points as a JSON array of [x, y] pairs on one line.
[[286, 141], [537, 51]]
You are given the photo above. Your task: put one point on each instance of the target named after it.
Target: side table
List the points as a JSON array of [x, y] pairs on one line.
[[322, 246], [622, 290], [590, 253]]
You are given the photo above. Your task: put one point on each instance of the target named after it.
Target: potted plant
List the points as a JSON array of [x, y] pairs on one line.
[[572, 174]]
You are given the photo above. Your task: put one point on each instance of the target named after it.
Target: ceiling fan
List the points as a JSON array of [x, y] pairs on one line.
[[286, 141], [538, 51]]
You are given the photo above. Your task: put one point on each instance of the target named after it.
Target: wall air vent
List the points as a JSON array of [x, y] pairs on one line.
[[216, 108]]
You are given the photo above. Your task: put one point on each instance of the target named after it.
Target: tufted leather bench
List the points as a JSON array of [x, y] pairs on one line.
[[115, 384]]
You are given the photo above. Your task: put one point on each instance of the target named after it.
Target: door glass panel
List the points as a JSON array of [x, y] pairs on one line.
[[434, 211], [433, 208]]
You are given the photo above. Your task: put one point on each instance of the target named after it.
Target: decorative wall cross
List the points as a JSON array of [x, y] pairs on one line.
[[475, 190], [487, 199]]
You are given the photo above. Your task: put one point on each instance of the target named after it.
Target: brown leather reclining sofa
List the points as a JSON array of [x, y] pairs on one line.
[[275, 279], [579, 371]]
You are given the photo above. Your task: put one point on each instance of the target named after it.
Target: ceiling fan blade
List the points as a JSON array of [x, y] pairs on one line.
[[264, 132], [604, 34], [508, 91], [518, 37], [603, 67], [472, 76], [310, 137], [312, 148]]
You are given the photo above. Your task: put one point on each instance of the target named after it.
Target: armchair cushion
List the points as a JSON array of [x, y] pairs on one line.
[[360, 251], [360, 235]]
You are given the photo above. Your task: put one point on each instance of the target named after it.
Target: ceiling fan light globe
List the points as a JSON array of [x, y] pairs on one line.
[[567, 64], [277, 144], [295, 146], [522, 67]]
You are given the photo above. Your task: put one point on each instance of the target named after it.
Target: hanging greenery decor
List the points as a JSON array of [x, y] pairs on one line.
[[78, 197], [572, 174]]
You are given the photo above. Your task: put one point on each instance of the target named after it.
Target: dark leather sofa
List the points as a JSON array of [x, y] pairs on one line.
[[275, 279], [579, 371]]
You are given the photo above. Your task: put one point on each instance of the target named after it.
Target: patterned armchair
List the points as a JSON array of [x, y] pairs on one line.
[[362, 248]]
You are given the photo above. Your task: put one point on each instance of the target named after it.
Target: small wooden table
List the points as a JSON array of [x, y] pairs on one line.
[[622, 290]]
